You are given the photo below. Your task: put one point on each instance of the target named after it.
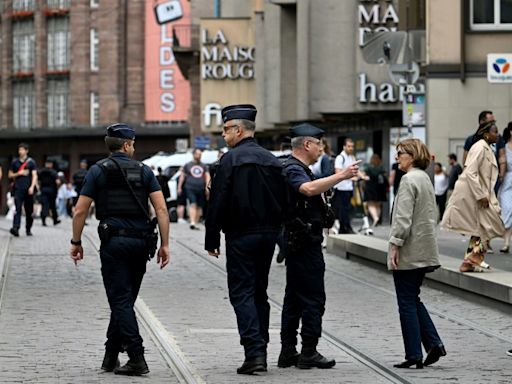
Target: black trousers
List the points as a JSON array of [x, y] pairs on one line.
[[343, 206], [248, 260], [23, 199], [48, 197], [123, 264], [441, 204], [304, 297]]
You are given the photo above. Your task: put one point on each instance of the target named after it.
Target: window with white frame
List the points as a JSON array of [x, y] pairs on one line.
[[95, 50], [489, 15], [23, 104], [95, 3], [58, 4], [23, 5], [58, 43], [23, 46], [58, 103], [95, 109]]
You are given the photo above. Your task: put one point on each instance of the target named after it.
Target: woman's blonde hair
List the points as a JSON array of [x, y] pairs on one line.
[[417, 150]]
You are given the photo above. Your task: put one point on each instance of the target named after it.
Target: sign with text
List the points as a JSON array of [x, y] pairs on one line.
[[227, 67], [499, 67], [167, 92]]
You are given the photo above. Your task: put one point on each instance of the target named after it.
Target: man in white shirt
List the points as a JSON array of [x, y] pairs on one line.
[[344, 190]]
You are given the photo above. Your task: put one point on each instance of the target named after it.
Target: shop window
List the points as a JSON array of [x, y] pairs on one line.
[[23, 46], [95, 50], [490, 15], [95, 109], [58, 103], [23, 104], [58, 44], [23, 5]]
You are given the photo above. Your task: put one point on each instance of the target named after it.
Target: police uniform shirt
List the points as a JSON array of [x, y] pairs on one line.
[[296, 176], [95, 180], [23, 182]]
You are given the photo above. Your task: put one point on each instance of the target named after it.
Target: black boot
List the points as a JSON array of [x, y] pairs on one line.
[[288, 356], [44, 221], [311, 358], [14, 231], [257, 364], [136, 366], [110, 361]]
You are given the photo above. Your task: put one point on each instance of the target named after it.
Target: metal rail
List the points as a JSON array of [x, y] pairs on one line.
[[169, 350], [349, 349]]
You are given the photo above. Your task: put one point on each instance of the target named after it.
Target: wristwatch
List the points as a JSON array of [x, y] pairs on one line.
[[78, 242]]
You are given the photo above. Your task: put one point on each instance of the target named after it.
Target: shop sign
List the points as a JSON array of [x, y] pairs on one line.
[[499, 68], [376, 16], [385, 93], [220, 60]]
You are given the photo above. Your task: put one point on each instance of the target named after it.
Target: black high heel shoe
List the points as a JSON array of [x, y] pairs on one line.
[[410, 363], [434, 354]]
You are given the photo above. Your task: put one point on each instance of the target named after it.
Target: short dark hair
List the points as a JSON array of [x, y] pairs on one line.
[[482, 115], [507, 132], [452, 156], [23, 145], [114, 143], [347, 140], [197, 149]]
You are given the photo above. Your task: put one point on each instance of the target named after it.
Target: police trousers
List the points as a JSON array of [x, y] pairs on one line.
[[23, 200], [248, 259], [123, 264], [304, 297]]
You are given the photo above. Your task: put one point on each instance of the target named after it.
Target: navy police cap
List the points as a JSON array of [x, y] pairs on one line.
[[121, 131], [239, 111], [306, 129]]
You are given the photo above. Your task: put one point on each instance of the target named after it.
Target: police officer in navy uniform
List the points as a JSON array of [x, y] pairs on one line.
[[125, 232], [304, 298], [246, 202]]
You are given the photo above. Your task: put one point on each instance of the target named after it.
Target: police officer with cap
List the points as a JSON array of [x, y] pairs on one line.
[[120, 188], [307, 215], [246, 202]]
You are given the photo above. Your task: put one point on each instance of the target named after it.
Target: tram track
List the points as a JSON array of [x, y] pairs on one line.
[[164, 342], [338, 343]]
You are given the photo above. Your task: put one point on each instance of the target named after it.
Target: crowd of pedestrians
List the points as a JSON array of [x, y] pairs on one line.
[[259, 201]]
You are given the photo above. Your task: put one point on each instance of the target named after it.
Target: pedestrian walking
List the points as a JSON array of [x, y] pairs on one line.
[[413, 252], [375, 187], [163, 181], [307, 216], [505, 195], [47, 177], [441, 184], [24, 172], [121, 187], [324, 166], [193, 179], [344, 190], [247, 199], [473, 209], [78, 179], [453, 176]]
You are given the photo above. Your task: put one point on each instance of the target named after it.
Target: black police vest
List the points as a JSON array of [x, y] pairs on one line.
[[115, 198], [310, 209]]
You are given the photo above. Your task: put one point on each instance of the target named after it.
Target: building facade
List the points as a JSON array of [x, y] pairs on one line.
[[70, 68], [461, 34]]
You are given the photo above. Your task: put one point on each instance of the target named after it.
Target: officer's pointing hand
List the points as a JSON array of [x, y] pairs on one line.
[[162, 257]]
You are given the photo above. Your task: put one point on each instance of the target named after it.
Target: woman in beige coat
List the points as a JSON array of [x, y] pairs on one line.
[[413, 252], [473, 208]]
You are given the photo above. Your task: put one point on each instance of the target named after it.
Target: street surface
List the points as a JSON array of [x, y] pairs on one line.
[[53, 318]]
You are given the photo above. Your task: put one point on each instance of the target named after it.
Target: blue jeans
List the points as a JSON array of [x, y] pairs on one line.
[[417, 326]]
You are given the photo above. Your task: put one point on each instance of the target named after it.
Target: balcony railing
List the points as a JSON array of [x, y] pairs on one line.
[[186, 36]]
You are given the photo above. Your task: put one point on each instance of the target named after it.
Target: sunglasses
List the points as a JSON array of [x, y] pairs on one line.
[[400, 152]]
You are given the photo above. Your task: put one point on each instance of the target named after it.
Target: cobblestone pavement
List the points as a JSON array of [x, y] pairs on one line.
[[53, 319]]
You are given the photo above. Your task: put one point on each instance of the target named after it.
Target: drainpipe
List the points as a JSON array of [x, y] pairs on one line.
[[216, 8], [463, 15]]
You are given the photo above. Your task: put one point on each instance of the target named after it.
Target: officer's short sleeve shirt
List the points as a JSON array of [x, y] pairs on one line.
[[296, 176]]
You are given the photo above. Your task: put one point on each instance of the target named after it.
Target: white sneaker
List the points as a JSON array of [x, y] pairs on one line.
[[182, 221]]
